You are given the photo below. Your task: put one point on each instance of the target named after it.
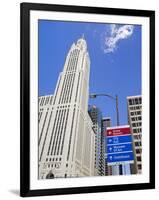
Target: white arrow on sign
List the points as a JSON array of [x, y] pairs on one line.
[[110, 140], [110, 148], [110, 157]]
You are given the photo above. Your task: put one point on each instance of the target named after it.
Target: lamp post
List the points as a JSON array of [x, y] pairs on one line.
[[117, 112], [111, 97]]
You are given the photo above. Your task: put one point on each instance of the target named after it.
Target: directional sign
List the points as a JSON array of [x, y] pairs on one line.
[[117, 140], [120, 157], [118, 131], [119, 148], [119, 145]]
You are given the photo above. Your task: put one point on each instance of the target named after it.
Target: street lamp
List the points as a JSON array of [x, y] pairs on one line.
[[93, 96]]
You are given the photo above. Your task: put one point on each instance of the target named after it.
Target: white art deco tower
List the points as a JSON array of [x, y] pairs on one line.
[[66, 137]]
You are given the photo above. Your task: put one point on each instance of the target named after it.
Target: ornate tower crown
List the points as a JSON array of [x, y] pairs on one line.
[[82, 43]]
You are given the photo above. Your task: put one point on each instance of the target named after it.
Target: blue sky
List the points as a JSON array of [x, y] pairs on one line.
[[115, 54]]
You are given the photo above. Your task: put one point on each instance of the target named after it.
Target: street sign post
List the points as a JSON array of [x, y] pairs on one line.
[[119, 145]]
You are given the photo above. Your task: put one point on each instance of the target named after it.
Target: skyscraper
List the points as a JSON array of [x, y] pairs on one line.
[[96, 117], [135, 120], [66, 137]]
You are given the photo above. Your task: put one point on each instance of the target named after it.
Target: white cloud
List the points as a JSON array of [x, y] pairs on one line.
[[116, 33]]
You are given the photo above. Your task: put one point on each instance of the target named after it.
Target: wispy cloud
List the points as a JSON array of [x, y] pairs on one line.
[[114, 35]]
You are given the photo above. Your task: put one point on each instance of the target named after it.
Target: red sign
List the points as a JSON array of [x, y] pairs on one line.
[[118, 131]]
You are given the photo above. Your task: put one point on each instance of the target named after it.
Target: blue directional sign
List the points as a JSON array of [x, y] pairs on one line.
[[119, 148], [118, 139], [120, 157]]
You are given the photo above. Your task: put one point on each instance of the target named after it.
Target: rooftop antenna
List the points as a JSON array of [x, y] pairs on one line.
[[83, 36]]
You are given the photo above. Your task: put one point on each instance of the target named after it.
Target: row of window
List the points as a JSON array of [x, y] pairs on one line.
[[135, 113], [41, 133], [46, 133], [77, 86], [138, 144], [56, 165], [137, 130], [136, 118], [73, 59], [45, 100], [41, 100], [67, 88], [136, 124], [135, 107], [39, 116], [58, 132], [63, 106], [135, 101], [53, 159], [62, 119], [70, 139], [57, 90], [137, 137]]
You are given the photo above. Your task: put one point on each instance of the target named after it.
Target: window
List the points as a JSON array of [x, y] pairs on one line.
[[133, 125], [139, 118], [138, 158], [135, 137], [136, 101], [137, 144], [131, 108], [140, 101], [130, 101], [139, 166], [133, 118], [138, 151]]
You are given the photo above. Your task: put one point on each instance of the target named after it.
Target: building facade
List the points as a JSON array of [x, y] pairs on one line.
[[135, 120], [96, 117], [66, 137], [106, 122]]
